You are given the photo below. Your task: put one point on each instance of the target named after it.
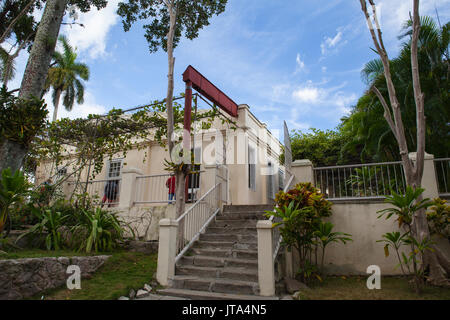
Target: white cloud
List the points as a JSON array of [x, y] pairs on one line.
[[93, 37], [90, 106], [330, 43], [300, 65], [307, 94], [323, 99]]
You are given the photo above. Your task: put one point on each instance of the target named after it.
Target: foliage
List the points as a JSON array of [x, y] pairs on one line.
[[65, 77], [50, 222], [20, 119], [192, 15], [13, 187], [405, 206], [439, 218], [325, 236], [299, 213], [103, 228], [396, 241], [323, 148]]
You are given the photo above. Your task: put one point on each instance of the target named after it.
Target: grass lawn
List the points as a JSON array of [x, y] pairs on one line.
[[354, 288], [121, 273]]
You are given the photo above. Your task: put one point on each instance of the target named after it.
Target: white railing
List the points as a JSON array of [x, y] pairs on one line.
[[362, 181], [154, 189], [102, 192], [276, 236], [196, 219]]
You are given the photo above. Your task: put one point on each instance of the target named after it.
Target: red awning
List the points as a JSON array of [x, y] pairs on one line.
[[210, 91]]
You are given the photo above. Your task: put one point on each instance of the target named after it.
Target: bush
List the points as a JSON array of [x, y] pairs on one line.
[[299, 213], [102, 230], [439, 218]]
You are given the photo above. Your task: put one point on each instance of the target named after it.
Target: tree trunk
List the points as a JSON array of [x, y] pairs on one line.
[[16, 19], [10, 151], [35, 73], [43, 48], [413, 172], [56, 102]]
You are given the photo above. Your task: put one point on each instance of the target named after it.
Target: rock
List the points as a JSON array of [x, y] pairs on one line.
[[24, 278], [300, 295], [124, 298], [287, 298], [132, 294], [293, 285], [148, 287], [142, 294]]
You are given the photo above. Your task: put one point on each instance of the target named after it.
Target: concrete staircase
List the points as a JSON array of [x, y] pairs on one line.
[[223, 264]]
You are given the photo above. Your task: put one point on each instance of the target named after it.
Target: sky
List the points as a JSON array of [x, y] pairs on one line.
[[293, 60]]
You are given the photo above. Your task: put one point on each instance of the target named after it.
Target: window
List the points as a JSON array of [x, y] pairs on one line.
[[61, 173], [251, 168], [114, 169]]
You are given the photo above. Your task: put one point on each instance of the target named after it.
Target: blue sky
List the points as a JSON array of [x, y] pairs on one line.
[[293, 60]]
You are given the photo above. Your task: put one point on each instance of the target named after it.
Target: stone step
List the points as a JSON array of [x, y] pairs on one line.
[[206, 295], [223, 273], [247, 238], [207, 261], [233, 253], [244, 215], [235, 223], [226, 244], [232, 230], [215, 285], [260, 208]]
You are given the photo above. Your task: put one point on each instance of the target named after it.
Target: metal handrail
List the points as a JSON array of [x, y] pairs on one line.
[[359, 165], [202, 228], [197, 202]]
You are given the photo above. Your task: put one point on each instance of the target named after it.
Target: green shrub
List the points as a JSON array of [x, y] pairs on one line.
[[299, 214], [101, 230], [13, 189]]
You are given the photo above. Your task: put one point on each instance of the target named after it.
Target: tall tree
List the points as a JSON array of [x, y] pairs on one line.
[[33, 81], [168, 19], [65, 77], [413, 170]]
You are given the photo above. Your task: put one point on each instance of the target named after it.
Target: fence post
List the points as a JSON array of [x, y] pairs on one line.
[[167, 250], [303, 171], [266, 271], [429, 181], [128, 187]]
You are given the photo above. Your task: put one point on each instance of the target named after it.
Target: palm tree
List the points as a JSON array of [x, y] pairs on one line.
[[367, 124], [64, 77]]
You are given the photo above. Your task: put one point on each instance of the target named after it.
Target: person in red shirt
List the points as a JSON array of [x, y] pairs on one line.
[[170, 183]]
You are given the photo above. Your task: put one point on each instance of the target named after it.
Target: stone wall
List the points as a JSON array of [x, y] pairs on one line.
[[23, 278], [144, 221]]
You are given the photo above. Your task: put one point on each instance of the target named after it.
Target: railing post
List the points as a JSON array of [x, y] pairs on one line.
[[266, 270], [127, 189], [429, 181], [167, 250], [303, 171]]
